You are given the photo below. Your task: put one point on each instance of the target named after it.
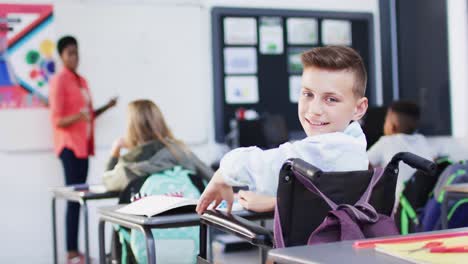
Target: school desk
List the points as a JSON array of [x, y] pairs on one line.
[[81, 196], [145, 224], [341, 252]]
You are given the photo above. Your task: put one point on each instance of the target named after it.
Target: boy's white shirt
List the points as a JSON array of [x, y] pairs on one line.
[[259, 169], [381, 153]]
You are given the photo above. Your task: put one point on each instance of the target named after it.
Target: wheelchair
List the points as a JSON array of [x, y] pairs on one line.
[[302, 211]]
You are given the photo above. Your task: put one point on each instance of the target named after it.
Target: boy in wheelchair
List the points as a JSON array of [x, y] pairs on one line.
[[332, 100]]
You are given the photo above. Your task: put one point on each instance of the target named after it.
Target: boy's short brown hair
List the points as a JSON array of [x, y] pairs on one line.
[[338, 58], [407, 115]]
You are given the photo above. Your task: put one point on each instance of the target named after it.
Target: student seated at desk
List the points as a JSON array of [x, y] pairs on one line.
[[332, 99], [401, 123], [151, 148]]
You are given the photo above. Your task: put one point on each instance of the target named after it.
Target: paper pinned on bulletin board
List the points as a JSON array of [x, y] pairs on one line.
[[240, 31], [240, 60], [271, 35], [241, 89], [302, 31], [27, 55], [336, 32]]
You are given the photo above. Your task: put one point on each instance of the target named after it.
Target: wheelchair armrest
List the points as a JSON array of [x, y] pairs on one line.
[[241, 227]]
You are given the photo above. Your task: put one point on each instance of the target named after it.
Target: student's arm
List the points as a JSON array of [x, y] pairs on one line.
[[216, 191], [112, 102], [111, 163], [119, 177], [243, 166], [115, 153], [256, 202], [375, 154], [254, 167]]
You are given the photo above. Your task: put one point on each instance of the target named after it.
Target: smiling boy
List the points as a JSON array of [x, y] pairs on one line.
[[332, 98]]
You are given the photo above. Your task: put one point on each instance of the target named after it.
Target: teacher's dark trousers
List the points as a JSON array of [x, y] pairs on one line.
[[76, 171]]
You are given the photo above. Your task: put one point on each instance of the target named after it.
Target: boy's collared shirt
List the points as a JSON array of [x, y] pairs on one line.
[[259, 169]]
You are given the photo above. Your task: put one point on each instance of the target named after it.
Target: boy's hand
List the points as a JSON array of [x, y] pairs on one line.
[[217, 191], [256, 202]]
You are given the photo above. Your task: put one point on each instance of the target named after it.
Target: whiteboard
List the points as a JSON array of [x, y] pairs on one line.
[[133, 51]]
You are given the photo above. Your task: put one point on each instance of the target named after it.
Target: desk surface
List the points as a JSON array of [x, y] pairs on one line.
[[68, 193], [461, 188], [109, 213], [339, 252]]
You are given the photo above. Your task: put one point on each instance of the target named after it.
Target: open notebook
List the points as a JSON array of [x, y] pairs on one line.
[[161, 204], [408, 252], [158, 204]]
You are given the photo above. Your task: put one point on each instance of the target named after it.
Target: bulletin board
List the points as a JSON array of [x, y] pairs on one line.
[[256, 57]]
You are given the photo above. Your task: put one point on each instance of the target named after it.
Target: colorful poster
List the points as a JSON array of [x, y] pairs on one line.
[[27, 55]]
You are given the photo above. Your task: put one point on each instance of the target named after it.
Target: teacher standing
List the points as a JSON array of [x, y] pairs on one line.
[[72, 116]]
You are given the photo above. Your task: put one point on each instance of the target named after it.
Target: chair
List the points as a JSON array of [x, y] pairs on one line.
[[416, 193], [301, 211]]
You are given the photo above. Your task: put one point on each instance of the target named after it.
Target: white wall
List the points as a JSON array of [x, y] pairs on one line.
[[457, 24], [27, 175]]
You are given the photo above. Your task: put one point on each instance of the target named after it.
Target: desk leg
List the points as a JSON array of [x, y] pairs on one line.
[[203, 240], [102, 245], [444, 211], [150, 249], [86, 231], [263, 252], [54, 230], [209, 244]]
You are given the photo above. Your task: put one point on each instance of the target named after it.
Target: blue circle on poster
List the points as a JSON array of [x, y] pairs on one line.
[[48, 66]]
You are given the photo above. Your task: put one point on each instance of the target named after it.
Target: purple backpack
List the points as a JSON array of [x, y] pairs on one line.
[[343, 221]]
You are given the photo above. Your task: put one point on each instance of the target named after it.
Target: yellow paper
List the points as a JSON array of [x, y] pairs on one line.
[[401, 250]]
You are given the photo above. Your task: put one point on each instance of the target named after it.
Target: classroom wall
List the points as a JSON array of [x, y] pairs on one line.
[[27, 175]]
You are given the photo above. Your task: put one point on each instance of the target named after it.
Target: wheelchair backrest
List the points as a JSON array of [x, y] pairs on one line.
[[302, 211]]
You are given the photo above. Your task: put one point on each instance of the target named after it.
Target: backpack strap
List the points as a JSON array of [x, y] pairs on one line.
[[312, 188], [362, 210], [277, 230]]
